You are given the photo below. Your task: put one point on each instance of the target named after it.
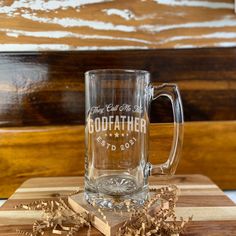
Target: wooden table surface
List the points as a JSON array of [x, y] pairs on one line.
[[213, 212]]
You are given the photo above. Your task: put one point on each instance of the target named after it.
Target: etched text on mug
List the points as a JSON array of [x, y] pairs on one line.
[[113, 147], [128, 144], [100, 140]]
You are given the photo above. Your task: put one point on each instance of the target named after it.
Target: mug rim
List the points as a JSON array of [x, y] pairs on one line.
[[117, 71]]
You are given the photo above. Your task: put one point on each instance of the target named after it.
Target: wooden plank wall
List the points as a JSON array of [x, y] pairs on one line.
[[26, 152], [42, 110], [116, 24], [40, 116], [44, 88]]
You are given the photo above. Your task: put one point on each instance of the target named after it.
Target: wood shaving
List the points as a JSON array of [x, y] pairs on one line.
[[79, 190], [57, 218], [155, 217]]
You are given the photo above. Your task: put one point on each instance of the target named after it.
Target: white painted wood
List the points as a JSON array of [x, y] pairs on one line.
[[68, 25], [61, 47], [42, 5], [196, 3]]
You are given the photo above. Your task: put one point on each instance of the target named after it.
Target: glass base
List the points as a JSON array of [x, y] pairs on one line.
[[115, 192]]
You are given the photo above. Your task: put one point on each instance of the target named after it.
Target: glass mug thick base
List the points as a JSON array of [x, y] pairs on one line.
[[117, 136], [105, 197], [115, 189]]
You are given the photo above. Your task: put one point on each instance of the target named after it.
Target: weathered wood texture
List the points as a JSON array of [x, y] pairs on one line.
[[48, 88], [214, 213], [209, 148], [115, 24]]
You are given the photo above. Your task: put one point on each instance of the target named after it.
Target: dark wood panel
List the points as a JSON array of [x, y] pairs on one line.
[[48, 88]]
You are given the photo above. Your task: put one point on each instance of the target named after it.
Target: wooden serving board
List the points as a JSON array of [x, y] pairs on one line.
[[213, 212]]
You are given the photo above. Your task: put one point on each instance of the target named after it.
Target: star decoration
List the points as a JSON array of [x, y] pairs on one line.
[[116, 135]]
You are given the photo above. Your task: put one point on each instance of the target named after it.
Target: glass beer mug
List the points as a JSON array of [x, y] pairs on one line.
[[117, 135]]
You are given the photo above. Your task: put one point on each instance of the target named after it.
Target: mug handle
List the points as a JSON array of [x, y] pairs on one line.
[[170, 91]]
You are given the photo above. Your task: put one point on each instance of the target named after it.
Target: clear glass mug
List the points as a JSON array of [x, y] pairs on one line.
[[117, 135]]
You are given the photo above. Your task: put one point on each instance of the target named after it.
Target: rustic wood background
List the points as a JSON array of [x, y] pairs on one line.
[[116, 24], [42, 94], [48, 88], [42, 110]]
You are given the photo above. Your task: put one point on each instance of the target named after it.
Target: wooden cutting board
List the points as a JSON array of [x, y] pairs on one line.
[[214, 213]]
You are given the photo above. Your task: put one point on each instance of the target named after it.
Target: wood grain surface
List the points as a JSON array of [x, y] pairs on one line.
[[213, 212], [48, 88], [116, 24], [209, 148], [41, 91]]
